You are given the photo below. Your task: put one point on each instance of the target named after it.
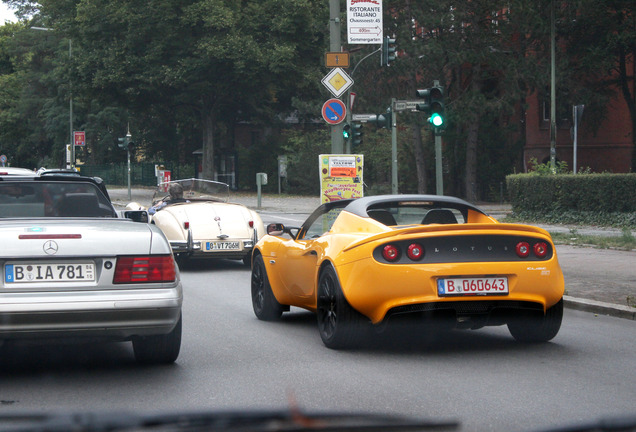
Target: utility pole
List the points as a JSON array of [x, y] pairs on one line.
[[552, 90], [337, 140]]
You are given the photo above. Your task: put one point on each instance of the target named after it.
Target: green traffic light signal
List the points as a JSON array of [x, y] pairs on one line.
[[346, 132], [436, 120]]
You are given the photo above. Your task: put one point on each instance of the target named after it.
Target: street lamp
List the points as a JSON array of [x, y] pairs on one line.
[[69, 163]]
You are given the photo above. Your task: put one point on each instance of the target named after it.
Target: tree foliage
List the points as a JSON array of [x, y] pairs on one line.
[[182, 75]]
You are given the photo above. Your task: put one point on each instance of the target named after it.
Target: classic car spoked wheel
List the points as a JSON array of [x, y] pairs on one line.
[[339, 325], [540, 328], [265, 305], [159, 349]]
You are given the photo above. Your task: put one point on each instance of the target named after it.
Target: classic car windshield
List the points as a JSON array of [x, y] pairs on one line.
[[195, 189], [53, 199]]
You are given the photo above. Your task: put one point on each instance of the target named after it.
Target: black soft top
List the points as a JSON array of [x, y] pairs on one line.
[[360, 206], [97, 181]]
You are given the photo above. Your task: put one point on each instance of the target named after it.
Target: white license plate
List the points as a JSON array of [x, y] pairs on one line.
[[473, 286], [216, 246], [37, 272]]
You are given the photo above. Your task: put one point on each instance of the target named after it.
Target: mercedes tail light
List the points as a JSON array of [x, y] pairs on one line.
[[139, 269]]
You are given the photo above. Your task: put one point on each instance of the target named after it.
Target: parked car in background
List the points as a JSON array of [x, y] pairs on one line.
[[11, 171], [369, 262], [58, 171], [72, 266], [200, 222]]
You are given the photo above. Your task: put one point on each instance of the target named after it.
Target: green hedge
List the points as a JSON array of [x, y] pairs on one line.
[[604, 199]]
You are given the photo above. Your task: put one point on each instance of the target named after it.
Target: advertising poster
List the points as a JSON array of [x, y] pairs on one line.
[[340, 177]]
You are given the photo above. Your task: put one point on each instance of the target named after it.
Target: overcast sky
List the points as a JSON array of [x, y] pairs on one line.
[[5, 14]]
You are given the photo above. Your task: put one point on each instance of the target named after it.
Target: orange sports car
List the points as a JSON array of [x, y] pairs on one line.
[[366, 262]]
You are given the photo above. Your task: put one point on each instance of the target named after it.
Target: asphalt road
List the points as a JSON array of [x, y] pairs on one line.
[[230, 360]]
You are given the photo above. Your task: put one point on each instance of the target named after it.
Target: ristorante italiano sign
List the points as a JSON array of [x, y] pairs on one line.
[[364, 21]]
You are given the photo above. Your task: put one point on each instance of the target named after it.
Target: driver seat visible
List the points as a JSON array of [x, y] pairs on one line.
[[439, 216], [383, 216]]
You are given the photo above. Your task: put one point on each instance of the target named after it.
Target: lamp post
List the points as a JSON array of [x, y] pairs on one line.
[[69, 163]]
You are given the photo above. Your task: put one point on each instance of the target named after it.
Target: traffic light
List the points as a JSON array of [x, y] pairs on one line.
[[388, 51], [126, 143], [346, 132], [356, 134], [438, 116], [433, 104], [382, 120]]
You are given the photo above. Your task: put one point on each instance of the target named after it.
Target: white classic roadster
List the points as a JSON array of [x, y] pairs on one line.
[[199, 221]]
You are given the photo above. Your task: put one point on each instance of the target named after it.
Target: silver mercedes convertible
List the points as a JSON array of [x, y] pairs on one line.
[[73, 266]]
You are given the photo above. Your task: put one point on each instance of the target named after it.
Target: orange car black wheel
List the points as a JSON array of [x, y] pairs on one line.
[[537, 328], [340, 325], [265, 305]]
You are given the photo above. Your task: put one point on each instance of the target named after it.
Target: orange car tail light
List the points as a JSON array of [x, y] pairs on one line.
[[523, 249], [391, 253], [138, 269], [540, 249], [415, 251]]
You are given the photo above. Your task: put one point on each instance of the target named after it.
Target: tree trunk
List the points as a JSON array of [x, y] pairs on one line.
[[471, 158], [207, 160], [420, 159], [471, 141]]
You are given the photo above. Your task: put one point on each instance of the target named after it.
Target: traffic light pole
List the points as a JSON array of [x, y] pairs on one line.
[[439, 177], [394, 157]]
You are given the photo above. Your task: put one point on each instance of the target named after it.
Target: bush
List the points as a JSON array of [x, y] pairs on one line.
[[599, 199]]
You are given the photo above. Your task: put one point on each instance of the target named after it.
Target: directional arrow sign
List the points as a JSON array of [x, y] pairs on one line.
[[407, 105], [364, 21], [363, 118]]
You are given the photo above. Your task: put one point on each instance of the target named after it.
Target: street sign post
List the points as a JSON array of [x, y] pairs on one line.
[[363, 118], [337, 59], [337, 82], [79, 138], [334, 111], [364, 22], [407, 105]]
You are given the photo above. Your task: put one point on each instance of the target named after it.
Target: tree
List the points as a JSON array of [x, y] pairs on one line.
[[600, 36]]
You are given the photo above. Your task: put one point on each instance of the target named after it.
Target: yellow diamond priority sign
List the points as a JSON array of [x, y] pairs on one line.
[[337, 81]]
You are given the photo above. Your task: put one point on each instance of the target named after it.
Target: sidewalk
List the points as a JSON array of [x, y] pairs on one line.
[[601, 281]]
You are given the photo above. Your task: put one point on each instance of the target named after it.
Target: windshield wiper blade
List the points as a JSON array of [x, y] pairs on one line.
[[609, 424], [234, 421]]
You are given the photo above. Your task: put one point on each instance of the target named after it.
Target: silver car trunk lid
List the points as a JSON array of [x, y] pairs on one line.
[[48, 238]]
